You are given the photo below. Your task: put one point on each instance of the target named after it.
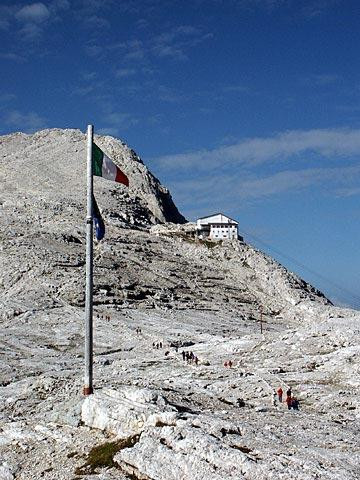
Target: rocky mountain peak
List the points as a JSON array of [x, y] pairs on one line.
[[161, 296], [54, 161]]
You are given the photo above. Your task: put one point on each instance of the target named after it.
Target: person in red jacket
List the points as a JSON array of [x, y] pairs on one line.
[[280, 394]]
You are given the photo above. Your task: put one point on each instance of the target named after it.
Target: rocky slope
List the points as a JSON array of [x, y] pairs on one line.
[[51, 165], [154, 415]]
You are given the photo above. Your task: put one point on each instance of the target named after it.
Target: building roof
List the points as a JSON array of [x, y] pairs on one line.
[[219, 213]]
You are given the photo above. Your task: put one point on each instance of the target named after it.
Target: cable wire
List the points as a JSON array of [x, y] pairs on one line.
[[309, 270]]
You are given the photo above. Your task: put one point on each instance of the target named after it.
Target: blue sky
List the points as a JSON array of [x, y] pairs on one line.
[[250, 107]]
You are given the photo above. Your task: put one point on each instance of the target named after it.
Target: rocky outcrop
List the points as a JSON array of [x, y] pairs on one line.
[[52, 164], [159, 293]]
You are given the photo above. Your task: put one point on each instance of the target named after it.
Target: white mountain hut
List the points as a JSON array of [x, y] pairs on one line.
[[217, 227]]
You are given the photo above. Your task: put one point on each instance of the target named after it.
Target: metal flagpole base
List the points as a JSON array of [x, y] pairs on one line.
[[88, 391]]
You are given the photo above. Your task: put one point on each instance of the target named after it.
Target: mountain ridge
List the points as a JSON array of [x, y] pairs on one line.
[[158, 292]]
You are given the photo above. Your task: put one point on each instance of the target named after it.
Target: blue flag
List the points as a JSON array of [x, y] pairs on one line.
[[98, 221]]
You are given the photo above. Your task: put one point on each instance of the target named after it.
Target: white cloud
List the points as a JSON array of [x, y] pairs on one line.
[[32, 19], [7, 12], [7, 97], [124, 119], [254, 151], [12, 56], [113, 131], [321, 80], [176, 42], [26, 122], [221, 191], [348, 192], [97, 22], [31, 31], [125, 72], [34, 13]]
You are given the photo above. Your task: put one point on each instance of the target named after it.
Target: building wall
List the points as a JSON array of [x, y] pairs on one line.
[[217, 227], [221, 231]]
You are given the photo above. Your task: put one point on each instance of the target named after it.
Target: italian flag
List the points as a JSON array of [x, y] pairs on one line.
[[106, 168]]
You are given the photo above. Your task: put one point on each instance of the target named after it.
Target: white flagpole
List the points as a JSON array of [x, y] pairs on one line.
[[88, 380]]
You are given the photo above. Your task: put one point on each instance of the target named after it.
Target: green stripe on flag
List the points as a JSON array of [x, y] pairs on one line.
[[97, 159]]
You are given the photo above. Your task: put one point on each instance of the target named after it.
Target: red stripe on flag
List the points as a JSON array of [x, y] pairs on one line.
[[121, 177]]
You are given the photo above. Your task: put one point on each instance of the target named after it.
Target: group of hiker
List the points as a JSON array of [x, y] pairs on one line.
[[228, 364], [189, 357], [291, 401]]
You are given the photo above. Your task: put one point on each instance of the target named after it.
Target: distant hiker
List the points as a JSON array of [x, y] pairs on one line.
[[157, 346], [280, 394], [230, 363], [183, 355], [160, 344], [153, 344], [289, 402], [225, 364], [295, 403], [191, 356], [196, 360], [288, 393]]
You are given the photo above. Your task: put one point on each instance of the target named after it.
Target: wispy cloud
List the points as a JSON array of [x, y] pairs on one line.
[[114, 123], [174, 44], [256, 168], [94, 21], [30, 21], [125, 72], [134, 50], [321, 80], [6, 98], [170, 95], [13, 57], [6, 14], [26, 122], [92, 14], [315, 8], [222, 191], [113, 131], [348, 192], [254, 151], [34, 13]]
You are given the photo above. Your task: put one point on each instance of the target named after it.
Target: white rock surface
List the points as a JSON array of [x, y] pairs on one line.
[[126, 412], [183, 420]]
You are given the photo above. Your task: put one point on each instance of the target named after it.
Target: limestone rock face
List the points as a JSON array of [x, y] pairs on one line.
[[127, 411], [159, 294], [51, 164]]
